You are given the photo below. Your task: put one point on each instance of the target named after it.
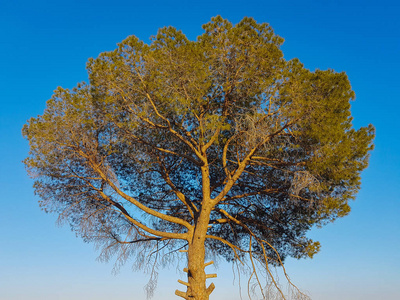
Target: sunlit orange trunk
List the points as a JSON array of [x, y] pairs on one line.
[[197, 289], [196, 254], [196, 273]]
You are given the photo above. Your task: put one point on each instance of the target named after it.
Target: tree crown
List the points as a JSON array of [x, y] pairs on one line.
[[167, 129]]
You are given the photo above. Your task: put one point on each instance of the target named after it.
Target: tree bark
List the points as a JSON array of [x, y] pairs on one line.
[[196, 273], [197, 289], [196, 285]]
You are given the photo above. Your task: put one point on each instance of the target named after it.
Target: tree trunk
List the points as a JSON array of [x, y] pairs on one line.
[[196, 273], [196, 285]]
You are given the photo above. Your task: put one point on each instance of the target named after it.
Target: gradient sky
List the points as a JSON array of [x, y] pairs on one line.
[[45, 44]]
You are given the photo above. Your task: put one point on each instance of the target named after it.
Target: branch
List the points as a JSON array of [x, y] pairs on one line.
[[254, 269], [189, 204], [192, 145], [242, 165], [132, 200], [169, 235], [232, 246], [265, 191], [212, 140], [140, 140], [228, 174], [141, 240]]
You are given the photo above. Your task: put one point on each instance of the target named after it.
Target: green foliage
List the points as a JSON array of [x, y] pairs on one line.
[[277, 141]]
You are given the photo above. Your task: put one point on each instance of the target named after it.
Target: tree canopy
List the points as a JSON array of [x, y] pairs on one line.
[[218, 147]]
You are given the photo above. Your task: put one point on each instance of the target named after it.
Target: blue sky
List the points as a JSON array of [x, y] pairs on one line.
[[45, 44]]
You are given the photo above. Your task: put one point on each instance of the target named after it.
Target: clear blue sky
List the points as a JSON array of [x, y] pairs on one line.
[[45, 44]]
